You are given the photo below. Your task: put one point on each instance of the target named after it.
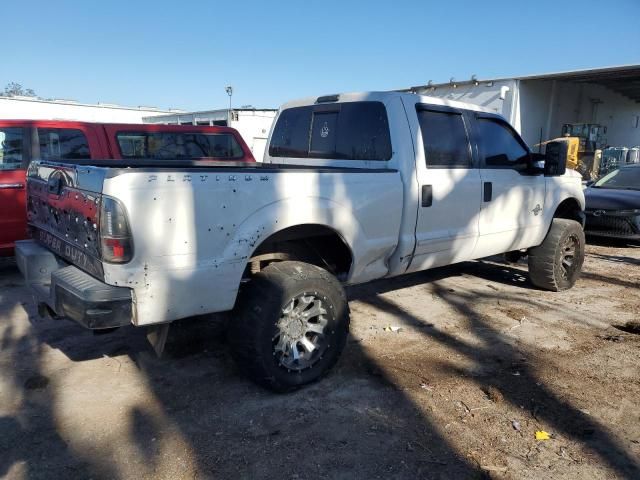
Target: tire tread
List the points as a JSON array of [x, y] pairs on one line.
[[542, 259]]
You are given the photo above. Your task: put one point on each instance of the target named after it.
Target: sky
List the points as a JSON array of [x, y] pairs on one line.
[[183, 54]]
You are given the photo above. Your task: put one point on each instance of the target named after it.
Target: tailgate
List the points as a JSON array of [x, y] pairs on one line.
[[63, 205]]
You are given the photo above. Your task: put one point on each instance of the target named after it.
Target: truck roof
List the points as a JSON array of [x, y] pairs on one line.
[[381, 97], [146, 127]]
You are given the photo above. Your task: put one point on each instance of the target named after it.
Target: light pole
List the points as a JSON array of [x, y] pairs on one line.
[[229, 90]]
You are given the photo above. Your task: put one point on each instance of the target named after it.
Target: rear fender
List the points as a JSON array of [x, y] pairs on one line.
[[369, 255]]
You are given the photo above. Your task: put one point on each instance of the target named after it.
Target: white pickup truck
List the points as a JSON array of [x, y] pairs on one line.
[[353, 187]]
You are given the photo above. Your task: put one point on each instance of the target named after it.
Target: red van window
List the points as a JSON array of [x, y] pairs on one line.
[[10, 148], [173, 145], [63, 144]]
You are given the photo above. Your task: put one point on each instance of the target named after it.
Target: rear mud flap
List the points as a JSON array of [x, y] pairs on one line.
[[157, 337]]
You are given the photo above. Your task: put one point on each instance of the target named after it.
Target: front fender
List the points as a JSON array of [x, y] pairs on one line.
[[561, 189]]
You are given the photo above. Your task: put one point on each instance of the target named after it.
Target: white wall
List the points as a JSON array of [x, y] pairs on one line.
[[535, 101], [580, 103], [545, 107], [254, 127], [34, 109]]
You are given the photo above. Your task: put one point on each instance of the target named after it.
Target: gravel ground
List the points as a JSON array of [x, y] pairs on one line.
[[447, 374]]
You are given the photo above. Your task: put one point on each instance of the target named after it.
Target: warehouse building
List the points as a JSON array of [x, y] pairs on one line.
[[538, 106], [34, 108]]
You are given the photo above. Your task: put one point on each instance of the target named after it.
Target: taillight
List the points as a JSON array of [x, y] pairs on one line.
[[115, 235]]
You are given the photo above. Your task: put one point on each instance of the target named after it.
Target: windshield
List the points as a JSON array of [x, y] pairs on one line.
[[622, 178]]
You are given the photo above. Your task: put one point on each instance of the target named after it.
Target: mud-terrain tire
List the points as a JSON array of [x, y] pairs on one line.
[[556, 263], [290, 325]]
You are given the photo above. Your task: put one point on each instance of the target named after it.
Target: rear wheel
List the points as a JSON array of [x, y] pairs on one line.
[[556, 263], [290, 326]]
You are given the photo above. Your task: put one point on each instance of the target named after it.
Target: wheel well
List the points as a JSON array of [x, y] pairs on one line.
[[571, 210], [316, 244]]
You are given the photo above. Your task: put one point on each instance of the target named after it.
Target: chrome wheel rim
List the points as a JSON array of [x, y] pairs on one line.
[[568, 260], [300, 340]]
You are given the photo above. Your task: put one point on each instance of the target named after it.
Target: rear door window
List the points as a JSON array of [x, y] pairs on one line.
[[342, 131], [445, 140], [63, 144], [176, 145], [11, 148]]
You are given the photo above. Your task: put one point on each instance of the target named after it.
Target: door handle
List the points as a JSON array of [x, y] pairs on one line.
[[488, 192], [11, 186], [427, 195]]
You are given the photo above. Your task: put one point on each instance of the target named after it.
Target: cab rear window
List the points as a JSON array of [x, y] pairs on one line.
[[174, 145], [343, 131]]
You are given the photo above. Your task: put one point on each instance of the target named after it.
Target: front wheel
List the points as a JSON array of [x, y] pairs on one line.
[[557, 262], [290, 325]]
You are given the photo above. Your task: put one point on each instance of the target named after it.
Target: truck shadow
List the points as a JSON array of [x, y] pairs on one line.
[[231, 428], [616, 258], [528, 391], [612, 242], [356, 423], [608, 279], [31, 444]]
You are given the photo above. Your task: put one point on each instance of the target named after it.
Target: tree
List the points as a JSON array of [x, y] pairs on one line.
[[13, 88]]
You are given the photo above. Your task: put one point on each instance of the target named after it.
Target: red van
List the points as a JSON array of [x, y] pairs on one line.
[[23, 140]]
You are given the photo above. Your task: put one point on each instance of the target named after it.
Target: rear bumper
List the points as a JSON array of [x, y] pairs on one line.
[[70, 292]]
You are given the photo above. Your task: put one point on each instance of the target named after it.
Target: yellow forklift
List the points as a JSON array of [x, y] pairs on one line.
[[584, 142]]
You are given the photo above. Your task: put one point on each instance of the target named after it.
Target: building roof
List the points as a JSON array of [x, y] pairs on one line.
[[62, 101], [217, 114], [623, 79]]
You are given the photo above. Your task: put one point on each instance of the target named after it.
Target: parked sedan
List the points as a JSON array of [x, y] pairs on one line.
[[613, 204]]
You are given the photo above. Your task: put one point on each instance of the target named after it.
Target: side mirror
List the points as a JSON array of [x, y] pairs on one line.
[[555, 163], [536, 163]]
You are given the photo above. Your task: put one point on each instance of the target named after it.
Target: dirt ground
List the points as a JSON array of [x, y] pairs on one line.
[[480, 363]]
